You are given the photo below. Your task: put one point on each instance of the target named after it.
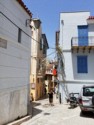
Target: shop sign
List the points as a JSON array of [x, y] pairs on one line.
[[3, 43], [32, 85]]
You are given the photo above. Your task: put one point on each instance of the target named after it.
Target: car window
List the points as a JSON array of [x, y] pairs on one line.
[[88, 91]]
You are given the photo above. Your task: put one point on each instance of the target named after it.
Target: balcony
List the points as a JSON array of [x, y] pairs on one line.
[[83, 44], [48, 72]]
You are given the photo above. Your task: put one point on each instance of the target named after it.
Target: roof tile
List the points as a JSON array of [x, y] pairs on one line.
[[24, 7], [90, 18]]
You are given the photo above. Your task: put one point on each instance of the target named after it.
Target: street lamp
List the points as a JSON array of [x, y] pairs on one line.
[[37, 23]]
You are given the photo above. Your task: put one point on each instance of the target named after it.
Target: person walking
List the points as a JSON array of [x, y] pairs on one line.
[[45, 91], [51, 97]]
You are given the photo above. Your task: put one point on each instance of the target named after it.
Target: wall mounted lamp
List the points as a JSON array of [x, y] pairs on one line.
[[36, 21], [28, 22]]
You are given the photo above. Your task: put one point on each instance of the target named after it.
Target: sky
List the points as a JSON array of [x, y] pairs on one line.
[[48, 11]]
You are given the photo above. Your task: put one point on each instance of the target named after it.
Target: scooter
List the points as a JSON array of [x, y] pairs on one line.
[[73, 100]]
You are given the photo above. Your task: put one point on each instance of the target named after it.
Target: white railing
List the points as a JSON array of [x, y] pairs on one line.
[[89, 40]]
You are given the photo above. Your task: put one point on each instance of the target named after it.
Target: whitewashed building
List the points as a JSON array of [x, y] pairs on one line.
[[15, 49], [76, 39]]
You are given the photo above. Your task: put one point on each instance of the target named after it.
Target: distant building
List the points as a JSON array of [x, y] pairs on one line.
[[51, 76], [77, 42], [15, 42], [57, 38], [38, 60]]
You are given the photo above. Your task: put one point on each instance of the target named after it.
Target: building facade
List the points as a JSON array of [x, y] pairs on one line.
[[38, 57], [77, 41], [15, 42], [51, 76]]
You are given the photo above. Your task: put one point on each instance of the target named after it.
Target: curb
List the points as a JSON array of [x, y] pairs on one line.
[[18, 122]]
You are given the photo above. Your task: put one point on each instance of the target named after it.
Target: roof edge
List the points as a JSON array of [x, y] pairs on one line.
[[24, 7], [75, 12], [91, 18]]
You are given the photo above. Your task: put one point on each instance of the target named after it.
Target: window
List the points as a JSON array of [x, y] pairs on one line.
[[41, 44], [82, 64], [88, 91], [39, 64], [44, 49], [19, 35], [83, 35], [38, 80]]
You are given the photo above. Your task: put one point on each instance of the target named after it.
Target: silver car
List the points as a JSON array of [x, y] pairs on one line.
[[86, 99]]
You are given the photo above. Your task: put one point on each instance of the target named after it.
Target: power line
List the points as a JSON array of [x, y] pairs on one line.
[[43, 57], [51, 53], [23, 30]]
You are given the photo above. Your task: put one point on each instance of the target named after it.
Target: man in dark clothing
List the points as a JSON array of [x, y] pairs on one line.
[[50, 97], [45, 90]]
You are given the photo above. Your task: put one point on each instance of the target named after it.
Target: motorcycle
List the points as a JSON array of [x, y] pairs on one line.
[[73, 100]]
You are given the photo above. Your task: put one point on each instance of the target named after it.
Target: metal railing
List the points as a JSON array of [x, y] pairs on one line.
[[82, 41]]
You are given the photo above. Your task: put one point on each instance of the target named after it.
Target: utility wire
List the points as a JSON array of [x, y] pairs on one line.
[[45, 56], [23, 30]]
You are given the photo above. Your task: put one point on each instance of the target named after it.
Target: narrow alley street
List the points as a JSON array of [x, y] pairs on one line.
[[59, 114], [46, 49]]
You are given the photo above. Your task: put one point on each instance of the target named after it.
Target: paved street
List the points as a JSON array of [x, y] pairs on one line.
[[59, 114]]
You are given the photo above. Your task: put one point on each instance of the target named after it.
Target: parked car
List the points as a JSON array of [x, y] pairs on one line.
[[86, 99]]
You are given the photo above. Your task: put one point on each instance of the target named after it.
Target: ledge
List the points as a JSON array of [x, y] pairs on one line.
[[18, 122]]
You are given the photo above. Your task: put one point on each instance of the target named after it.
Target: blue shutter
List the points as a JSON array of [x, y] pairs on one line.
[[78, 64], [82, 64], [85, 64], [83, 35]]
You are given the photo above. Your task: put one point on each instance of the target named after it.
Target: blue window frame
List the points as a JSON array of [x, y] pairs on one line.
[[83, 35], [82, 64]]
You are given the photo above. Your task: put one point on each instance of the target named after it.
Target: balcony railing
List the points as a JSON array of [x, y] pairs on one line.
[[49, 72], [82, 43]]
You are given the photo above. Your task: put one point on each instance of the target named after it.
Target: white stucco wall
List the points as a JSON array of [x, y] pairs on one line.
[[14, 62], [68, 29], [71, 66]]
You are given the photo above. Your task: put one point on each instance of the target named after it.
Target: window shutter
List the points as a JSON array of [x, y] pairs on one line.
[[82, 64]]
